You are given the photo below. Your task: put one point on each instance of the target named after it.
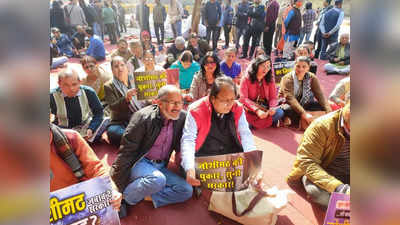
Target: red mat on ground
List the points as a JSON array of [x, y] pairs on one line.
[[279, 146]]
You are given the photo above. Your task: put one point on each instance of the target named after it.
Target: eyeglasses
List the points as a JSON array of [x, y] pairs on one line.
[[173, 103], [147, 59], [227, 101]]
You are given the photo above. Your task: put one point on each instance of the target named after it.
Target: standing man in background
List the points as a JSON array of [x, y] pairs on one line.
[[213, 15], [159, 16], [318, 35], [142, 16], [329, 27], [270, 21]]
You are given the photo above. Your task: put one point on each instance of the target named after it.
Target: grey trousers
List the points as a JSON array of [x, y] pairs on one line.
[[317, 194]]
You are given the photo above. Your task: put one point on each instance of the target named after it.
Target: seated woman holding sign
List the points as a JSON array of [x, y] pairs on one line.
[[259, 96], [299, 88], [149, 63], [120, 95], [215, 124]]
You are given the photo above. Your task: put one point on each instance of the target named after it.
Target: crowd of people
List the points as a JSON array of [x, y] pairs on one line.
[[216, 104]]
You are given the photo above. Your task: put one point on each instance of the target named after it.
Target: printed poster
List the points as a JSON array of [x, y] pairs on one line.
[[148, 83], [85, 203], [338, 212], [228, 172], [173, 77], [281, 69]]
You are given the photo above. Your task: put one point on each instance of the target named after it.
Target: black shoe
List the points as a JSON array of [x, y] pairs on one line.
[[123, 209], [331, 72]]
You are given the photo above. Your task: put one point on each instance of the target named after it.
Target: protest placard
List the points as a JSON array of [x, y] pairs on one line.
[[84, 203], [148, 83], [281, 69], [228, 172], [338, 212]]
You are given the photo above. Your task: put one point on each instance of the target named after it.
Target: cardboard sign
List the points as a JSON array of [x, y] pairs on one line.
[[281, 69], [228, 172], [84, 203], [338, 212], [173, 77], [148, 83]]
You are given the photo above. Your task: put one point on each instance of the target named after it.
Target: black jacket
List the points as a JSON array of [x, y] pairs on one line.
[[333, 53], [257, 15], [140, 135]]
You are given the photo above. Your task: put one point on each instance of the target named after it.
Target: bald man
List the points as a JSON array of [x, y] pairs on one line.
[[75, 106], [339, 56]]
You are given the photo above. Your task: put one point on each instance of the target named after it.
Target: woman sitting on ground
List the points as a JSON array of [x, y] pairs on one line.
[[187, 68], [259, 95], [120, 95], [299, 87], [203, 79], [96, 76], [149, 63], [303, 50]]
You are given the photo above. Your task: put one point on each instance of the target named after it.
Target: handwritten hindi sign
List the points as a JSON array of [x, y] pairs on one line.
[[148, 83], [85, 203], [227, 172], [338, 212], [281, 69]]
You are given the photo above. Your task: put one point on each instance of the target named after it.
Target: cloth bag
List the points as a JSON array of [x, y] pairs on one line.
[[315, 114], [250, 206]]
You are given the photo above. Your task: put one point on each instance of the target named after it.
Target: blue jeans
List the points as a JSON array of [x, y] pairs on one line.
[[325, 42], [164, 186], [278, 115], [177, 28], [97, 30], [302, 35], [239, 33], [114, 133]]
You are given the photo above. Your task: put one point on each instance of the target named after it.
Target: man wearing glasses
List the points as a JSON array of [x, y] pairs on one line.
[[140, 169], [215, 125]]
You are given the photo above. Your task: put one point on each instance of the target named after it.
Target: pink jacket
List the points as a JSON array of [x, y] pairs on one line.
[[248, 93]]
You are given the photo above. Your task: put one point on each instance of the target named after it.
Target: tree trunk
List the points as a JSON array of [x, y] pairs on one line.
[[196, 16]]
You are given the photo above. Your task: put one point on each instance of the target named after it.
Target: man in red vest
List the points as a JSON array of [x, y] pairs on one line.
[[215, 125]]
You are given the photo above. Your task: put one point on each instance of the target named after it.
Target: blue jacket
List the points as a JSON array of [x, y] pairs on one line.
[[65, 45], [212, 13], [96, 48], [257, 15], [228, 15], [242, 15], [331, 21]]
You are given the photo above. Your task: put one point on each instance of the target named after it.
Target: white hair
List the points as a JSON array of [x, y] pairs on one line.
[[68, 72]]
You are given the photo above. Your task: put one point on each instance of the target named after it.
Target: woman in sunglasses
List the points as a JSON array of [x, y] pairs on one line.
[[203, 79], [96, 76]]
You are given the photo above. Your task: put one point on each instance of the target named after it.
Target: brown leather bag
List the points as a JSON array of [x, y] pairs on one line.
[[315, 114]]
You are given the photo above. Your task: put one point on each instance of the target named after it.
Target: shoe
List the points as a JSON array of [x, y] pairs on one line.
[[287, 122], [331, 72], [243, 57], [225, 47]]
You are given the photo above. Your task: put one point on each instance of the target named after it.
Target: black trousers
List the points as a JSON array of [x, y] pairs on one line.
[[255, 41], [122, 25], [317, 42], [294, 116], [214, 29], [267, 40], [227, 30], [159, 27], [112, 34]]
